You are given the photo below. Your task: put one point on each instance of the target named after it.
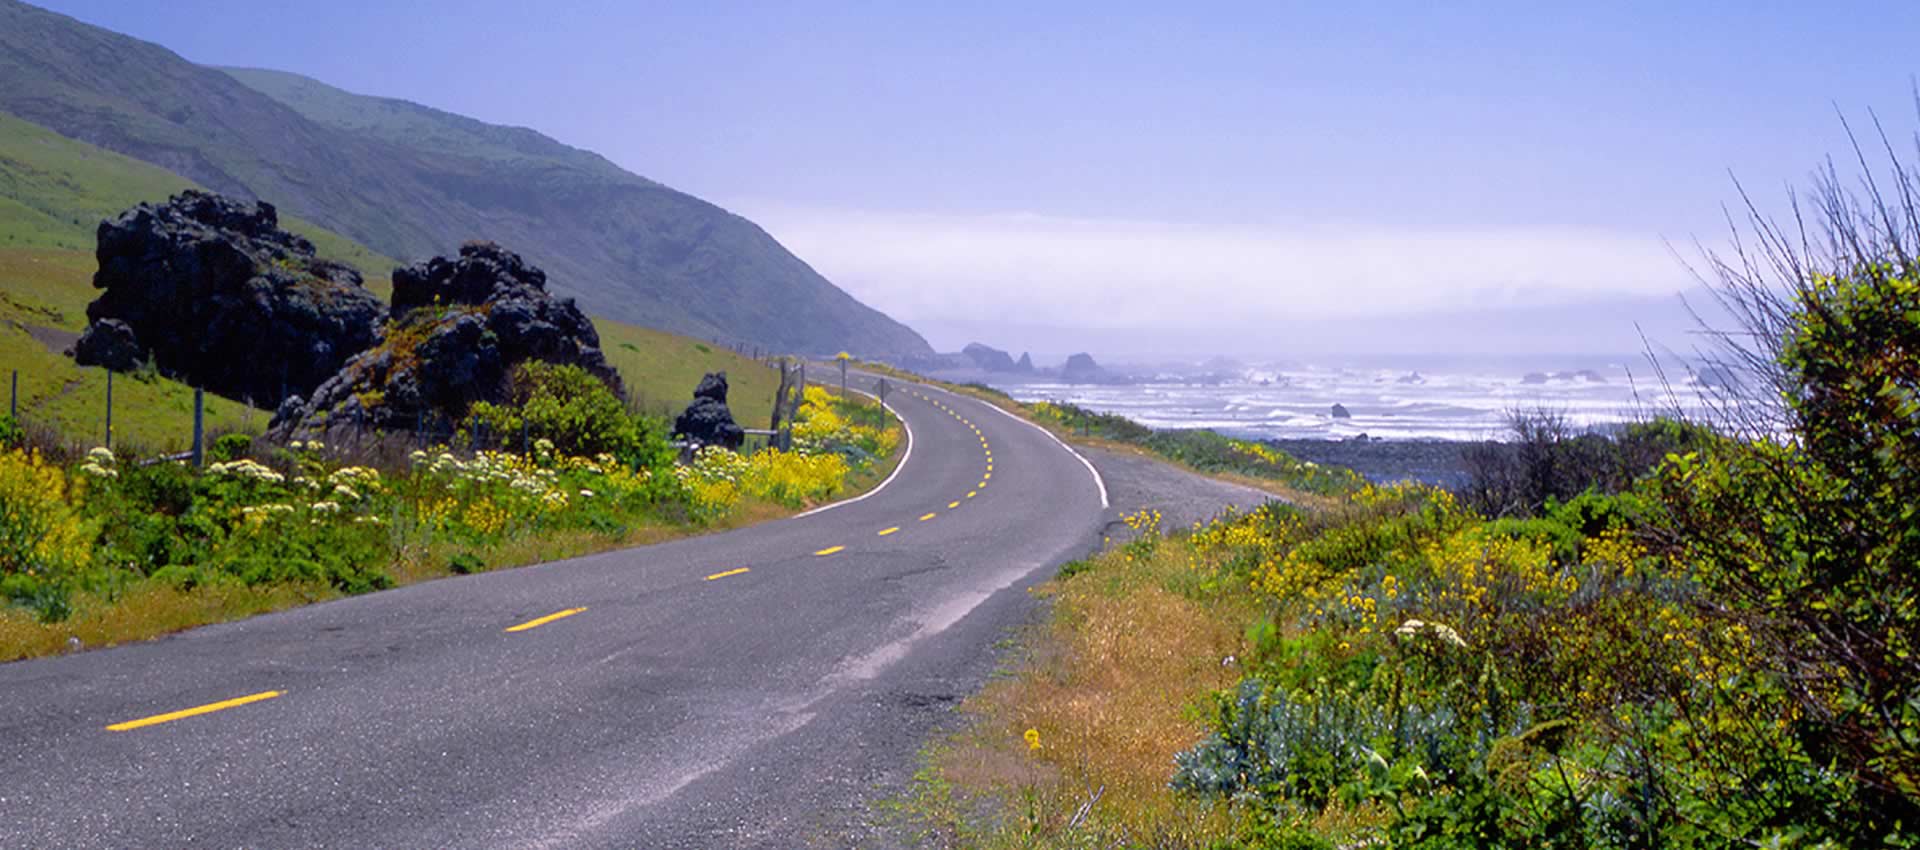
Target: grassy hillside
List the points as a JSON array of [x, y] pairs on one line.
[[54, 191], [411, 182], [661, 370], [48, 289]]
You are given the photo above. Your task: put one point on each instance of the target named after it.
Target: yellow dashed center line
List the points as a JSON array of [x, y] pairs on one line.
[[989, 475], [541, 621], [829, 550], [209, 708], [972, 493], [886, 531], [952, 505], [927, 517], [728, 573]]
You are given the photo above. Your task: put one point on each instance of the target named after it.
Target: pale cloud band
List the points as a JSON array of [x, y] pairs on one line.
[[1121, 274]]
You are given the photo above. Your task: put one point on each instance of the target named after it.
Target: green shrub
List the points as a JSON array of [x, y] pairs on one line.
[[229, 447], [1812, 543], [12, 436], [466, 563], [576, 412]]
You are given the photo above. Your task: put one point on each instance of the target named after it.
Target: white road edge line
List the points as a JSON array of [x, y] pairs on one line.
[[1097, 480], [896, 470]]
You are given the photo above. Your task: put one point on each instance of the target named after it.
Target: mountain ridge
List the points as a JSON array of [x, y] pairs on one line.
[[625, 246]]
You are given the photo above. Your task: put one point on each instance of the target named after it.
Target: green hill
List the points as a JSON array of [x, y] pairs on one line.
[[53, 193], [409, 182]]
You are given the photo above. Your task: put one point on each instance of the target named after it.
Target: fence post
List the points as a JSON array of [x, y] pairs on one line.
[[109, 442], [199, 427]]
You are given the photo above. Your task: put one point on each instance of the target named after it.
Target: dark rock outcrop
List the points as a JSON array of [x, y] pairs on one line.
[[988, 358], [109, 343], [460, 328], [1080, 369], [1025, 366], [707, 420], [1340, 411], [219, 296]]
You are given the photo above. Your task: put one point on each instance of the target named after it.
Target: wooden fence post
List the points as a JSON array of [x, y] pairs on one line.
[[199, 427]]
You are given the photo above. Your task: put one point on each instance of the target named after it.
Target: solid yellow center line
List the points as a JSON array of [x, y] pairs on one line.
[[829, 550], [886, 531], [728, 573], [209, 708], [927, 517], [541, 621]]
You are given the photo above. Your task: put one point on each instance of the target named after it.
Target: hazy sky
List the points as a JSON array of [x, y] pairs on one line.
[[1120, 165]]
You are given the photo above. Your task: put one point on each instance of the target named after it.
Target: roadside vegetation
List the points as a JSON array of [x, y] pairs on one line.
[[99, 548], [1681, 635]]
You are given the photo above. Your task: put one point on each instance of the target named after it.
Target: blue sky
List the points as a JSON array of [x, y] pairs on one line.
[[953, 162]]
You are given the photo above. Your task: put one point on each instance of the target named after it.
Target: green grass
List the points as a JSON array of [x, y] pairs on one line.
[[155, 414], [54, 191], [661, 369], [50, 288]]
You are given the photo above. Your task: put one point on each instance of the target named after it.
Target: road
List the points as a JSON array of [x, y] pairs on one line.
[[753, 688]]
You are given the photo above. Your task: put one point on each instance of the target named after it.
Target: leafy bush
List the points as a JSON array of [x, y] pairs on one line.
[[44, 541], [570, 408], [230, 447], [1812, 543], [12, 436]]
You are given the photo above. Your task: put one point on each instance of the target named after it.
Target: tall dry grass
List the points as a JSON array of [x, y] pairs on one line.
[[1114, 684]]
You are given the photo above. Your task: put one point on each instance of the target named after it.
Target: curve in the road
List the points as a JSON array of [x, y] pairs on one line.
[[629, 698]]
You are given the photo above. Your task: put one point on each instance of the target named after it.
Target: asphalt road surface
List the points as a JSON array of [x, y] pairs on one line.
[[758, 688]]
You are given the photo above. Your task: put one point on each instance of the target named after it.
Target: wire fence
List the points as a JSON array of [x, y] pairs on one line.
[[353, 435]]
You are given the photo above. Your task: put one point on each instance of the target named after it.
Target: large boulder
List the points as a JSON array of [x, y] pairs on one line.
[[460, 327], [109, 343], [219, 296], [707, 420]]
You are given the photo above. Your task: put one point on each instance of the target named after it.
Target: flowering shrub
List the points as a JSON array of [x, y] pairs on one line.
[[44, 541], [1431, 678], [719, 478], [859, 431]]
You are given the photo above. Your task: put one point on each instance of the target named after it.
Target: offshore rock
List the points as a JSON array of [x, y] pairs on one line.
[[1080, 369], [707, 420], [460, 328], [219, 296], [988, 358]]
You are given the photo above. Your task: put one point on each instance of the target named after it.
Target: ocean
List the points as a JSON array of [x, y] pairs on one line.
[[1462, 400]]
